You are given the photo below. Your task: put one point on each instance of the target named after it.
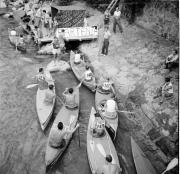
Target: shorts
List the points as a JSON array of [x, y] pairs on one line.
[[56, 51]]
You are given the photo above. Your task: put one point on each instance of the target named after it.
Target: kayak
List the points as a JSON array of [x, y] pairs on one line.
[[100, 100], [44, 111], [79, 70], [68, 117], [99, 147], [142, 164], [14, 40]]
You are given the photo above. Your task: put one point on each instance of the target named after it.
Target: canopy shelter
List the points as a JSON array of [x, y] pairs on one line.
[[68, 16]]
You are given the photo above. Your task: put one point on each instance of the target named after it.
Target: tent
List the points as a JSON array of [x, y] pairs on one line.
[[68, 16]]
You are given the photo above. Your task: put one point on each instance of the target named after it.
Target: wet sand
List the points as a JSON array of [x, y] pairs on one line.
[[22, 142]]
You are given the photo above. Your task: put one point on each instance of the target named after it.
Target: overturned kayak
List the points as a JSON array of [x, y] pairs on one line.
[[69, 118], [79, 70], [44, 111], [99, 147], [58, 66], [100, 100], [15, 40], [142, 164]]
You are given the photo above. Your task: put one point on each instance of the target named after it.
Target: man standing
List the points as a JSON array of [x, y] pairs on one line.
[[105, 46], [106, 18], [56, 48], [116, 20]]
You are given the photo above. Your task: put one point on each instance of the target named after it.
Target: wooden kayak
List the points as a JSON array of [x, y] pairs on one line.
[[99, 147], [68, 117], [142, 164], [44, 111], [79, 71], [100, 99], [14, 40]]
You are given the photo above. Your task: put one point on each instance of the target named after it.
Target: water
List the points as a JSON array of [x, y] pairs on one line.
[[22, 142]]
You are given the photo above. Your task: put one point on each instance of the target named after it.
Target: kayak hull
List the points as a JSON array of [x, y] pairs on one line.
[[65, 116], [79, 71], [99, 147]]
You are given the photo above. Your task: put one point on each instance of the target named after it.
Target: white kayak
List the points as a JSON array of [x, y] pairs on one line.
[[100, 99], [99, 147], [44, 110], [68, 117], [58, 66]]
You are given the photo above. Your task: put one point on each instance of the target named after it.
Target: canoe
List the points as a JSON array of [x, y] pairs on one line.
[[142, 164], [14, 39], [67, 117], [99, 147], [79, 71], [44, 111], [101, 98]]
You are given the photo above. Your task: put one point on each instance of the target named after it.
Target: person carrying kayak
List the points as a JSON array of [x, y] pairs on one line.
[[59, 134], [49, 95], [98, 126], [110, 108], [110, 168]]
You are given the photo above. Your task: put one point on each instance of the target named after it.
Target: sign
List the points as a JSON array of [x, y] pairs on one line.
[[79, 33]]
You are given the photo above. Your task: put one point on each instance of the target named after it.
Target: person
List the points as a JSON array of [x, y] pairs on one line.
[[107, 86], [77, 57], [56, 48], [85, 22], [61, 40], [172, 60], [106, 18], [88, 75], [38, 17], [98, 126], [21, 39], [105, 46], [45, 19], [42, 79], [110, 108], [70, 98], [110, 168], [59, 134], [49, 95], [116, 20]]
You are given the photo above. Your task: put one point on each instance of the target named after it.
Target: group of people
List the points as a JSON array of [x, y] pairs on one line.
[[166, 90], [107, 33]]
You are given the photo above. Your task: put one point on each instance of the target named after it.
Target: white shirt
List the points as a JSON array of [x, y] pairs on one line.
[[106, 86], [77, 58], [88, 75], [117, 14], [111, 106], [107, 34]]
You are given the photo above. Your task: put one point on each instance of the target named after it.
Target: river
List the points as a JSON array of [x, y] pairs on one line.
[[22, 142]]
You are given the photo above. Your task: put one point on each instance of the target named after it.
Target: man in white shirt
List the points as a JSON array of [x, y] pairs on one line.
[[77, 57], [116, 20], [110, 108], [50, 95], [88, 74], [105, 46], [172, 60]]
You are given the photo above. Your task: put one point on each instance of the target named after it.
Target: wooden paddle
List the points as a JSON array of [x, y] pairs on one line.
[[173, 163], [126, 112], [31, 85]]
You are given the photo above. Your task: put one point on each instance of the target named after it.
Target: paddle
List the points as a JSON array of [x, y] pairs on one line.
[[173, 163], [125, 112], [31, 85]]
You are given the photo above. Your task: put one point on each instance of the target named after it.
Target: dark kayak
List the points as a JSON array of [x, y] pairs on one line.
[[142, 164]]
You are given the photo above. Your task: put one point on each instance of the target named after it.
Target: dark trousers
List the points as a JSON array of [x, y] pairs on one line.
[[118, 23], [105, 46]]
